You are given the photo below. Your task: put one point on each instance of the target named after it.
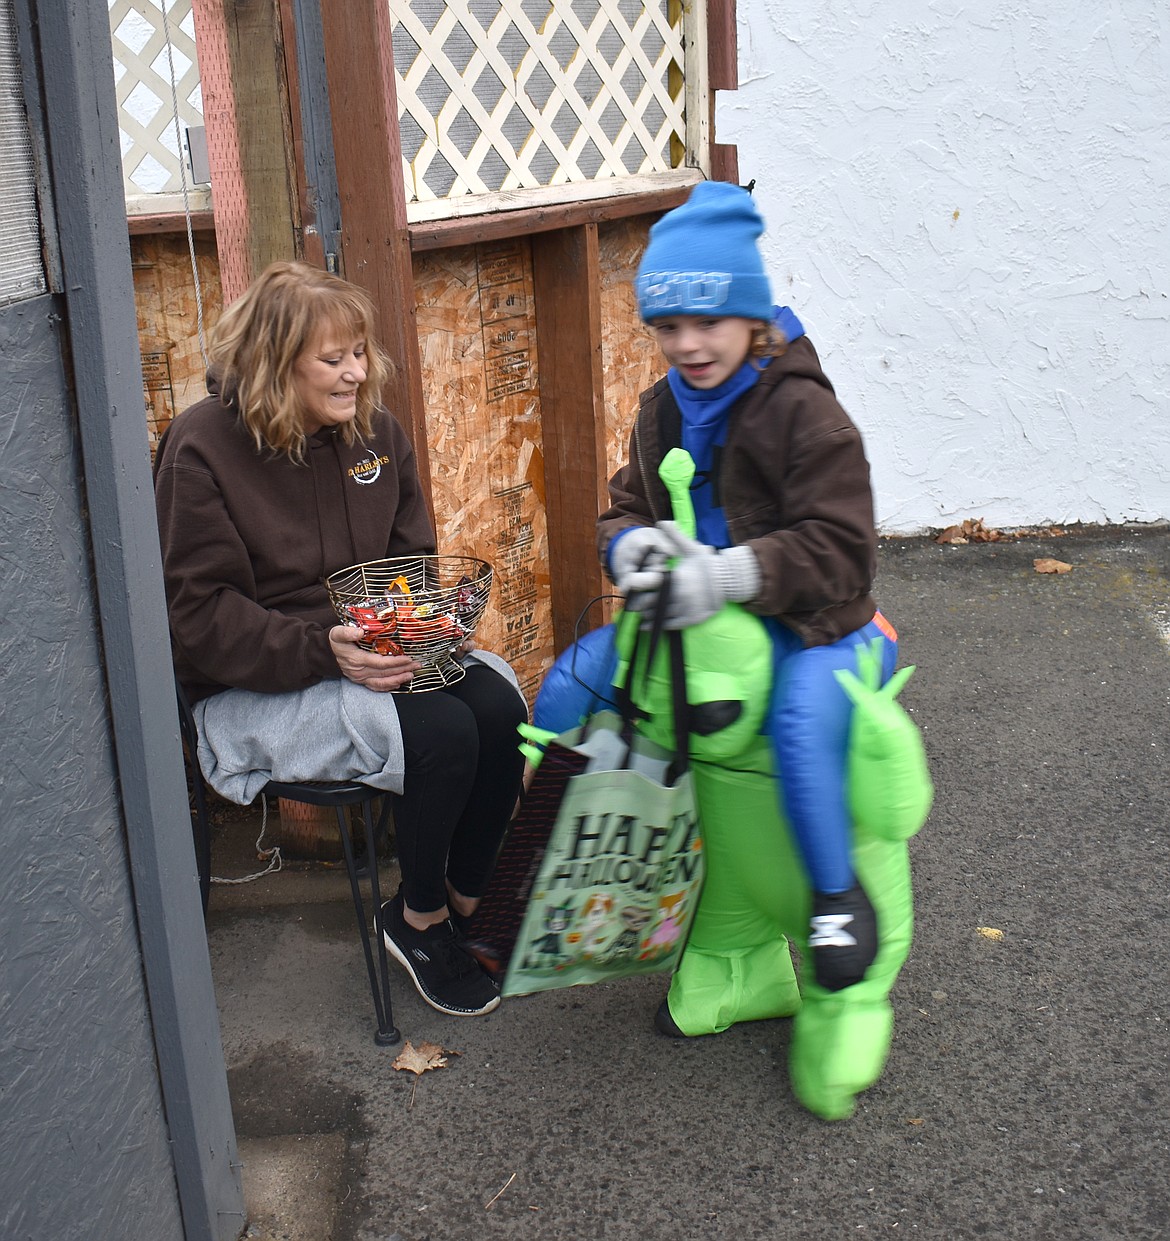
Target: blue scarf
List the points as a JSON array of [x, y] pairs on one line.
[[704, 427]]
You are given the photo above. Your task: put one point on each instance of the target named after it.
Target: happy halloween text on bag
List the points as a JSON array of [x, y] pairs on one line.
[[617, 884]]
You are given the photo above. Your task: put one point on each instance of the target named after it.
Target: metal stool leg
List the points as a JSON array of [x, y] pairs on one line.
[[387, 1033], [375, 834]]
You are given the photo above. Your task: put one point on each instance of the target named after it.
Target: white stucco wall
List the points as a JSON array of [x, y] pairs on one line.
[[969, 206]]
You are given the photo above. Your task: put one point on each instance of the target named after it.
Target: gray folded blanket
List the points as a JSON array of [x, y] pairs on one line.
[[334, 730]]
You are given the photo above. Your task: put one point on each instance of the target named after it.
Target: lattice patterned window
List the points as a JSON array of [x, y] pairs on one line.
[[147, 98], [497, 96]]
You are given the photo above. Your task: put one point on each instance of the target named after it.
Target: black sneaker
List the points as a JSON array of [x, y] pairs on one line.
[[664, 1023], [842, 937], [442, 969]]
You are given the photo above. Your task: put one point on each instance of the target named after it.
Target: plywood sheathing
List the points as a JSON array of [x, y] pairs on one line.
[[477, 342], [173, 369]]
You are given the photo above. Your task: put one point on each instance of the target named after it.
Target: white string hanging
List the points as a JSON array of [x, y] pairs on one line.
[[275, 862]]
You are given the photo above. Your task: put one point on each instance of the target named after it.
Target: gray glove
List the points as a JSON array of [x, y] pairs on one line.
[[640, 552], [702, 580]]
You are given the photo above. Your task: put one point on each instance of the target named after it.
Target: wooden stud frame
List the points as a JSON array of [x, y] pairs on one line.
[[567, 287], [375, 243]]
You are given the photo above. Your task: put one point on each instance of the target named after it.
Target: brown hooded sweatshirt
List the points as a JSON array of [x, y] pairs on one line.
[[793, 481], [248, 537]]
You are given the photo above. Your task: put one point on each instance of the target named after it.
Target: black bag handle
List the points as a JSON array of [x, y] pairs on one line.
[[648, 639]]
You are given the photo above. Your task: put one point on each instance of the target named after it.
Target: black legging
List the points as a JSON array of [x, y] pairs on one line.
[[463, 772]]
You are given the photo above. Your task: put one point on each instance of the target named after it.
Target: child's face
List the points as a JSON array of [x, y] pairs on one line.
[[705, 351]]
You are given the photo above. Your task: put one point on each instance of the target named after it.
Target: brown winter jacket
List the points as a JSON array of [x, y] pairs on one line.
[[794, 484], [248, 537]]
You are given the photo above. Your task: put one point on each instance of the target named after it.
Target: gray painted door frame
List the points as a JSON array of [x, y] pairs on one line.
[[66, 58]]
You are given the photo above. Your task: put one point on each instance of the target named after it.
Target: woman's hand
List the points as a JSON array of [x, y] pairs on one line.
[[377, 672]]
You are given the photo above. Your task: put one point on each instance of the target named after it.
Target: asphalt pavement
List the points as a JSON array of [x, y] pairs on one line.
[[1027, 1092]]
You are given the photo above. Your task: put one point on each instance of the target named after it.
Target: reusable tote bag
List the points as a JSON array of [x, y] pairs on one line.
[[603, 867]]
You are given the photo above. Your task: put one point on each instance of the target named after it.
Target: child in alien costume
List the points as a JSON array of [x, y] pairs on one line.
[[737, 965], [806, 812]]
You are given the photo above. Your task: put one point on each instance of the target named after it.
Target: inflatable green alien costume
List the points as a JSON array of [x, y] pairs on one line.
[[737, 965]]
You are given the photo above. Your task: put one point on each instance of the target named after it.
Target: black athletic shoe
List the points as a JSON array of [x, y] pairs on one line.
[[446, 975], [664, 1023], [842, 937]]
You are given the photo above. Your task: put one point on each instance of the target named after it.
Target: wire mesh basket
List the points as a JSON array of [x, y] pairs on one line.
[[421, 606]]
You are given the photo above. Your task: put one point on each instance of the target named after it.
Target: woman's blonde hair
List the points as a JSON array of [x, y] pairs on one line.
[[256, 343]]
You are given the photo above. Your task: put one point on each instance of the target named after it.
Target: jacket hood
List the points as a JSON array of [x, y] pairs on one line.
[[800, 358], [216, 387]]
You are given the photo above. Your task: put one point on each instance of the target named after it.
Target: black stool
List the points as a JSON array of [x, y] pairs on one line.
[[340, 795]]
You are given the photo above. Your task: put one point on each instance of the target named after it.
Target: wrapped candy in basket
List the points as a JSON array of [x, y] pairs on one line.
[[422, 606]]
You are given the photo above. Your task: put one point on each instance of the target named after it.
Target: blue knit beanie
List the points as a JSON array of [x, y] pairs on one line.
[[702, 258]]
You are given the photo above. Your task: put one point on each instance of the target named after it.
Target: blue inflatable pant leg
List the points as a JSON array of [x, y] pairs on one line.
[[579, 683]]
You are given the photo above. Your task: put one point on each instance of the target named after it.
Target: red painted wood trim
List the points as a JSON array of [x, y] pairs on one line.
[[223, 146], [725, 162], [722, 46]]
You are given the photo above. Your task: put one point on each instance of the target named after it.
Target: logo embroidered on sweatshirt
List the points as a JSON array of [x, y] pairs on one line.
[[367, 471]]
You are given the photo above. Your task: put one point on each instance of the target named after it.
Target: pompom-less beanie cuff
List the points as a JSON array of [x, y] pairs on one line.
[[702, 258]]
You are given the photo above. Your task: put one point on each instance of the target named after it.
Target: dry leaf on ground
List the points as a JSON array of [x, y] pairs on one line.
[[971, 531], [990, 932], [1045, 564], [974, 530], [423, 1057]]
